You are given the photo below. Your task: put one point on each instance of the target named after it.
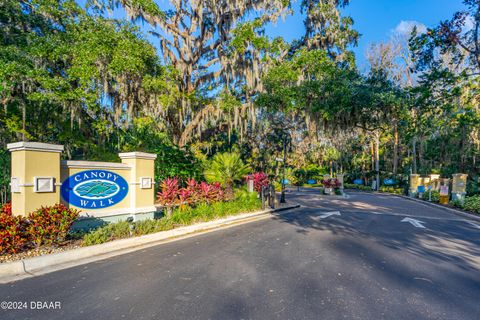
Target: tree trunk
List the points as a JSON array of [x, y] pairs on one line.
[[395, 148], [377, 159], [24, 120], [414, 154], [462, 150], [372, 152], [420, 152]]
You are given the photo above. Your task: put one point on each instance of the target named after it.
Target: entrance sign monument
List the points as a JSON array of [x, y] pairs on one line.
[[108, 191]]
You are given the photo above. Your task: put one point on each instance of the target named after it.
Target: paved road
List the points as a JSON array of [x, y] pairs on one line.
[[301, 264]]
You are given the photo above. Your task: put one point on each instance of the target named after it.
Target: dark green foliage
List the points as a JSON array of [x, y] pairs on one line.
[[472, 204]]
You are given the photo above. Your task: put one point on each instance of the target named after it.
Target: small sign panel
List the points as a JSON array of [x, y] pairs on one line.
[[444, 190], [421, 189], [145, 183], [311, 181], [94, 189]]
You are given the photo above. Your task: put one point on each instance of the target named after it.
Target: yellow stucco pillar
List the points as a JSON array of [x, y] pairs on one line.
[[35, 175], [434, 181], [142, 191], [414, 183]]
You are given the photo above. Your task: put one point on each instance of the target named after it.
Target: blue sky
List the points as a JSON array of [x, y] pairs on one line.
[[376, 19]]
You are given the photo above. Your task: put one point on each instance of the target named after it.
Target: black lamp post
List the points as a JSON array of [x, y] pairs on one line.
[[282, 196]]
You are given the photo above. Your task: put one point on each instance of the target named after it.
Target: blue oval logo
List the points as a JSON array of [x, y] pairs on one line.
[[388, 182], [94, 189], [358, 182]]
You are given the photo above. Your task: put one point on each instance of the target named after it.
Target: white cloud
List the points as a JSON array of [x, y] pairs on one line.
[[406, 27], [469, 23]]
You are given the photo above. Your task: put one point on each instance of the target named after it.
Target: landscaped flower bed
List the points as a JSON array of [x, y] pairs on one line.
[[181, 216], [45, 226]]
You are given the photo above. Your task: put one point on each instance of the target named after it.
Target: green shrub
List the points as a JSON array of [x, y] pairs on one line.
[[472, 204], [106, 233], [226, 168], [435, 196], [457, 203], [391, 189]]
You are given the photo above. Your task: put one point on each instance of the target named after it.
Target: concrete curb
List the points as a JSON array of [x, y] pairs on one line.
[[455, 211], [17, 270], [427, 203]]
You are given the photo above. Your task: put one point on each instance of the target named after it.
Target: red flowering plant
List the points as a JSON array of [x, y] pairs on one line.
[[211, 192], [168, 196], [171, 195], [6, 208], [260, 179], [13, 237], [331, 183], [50, 225]]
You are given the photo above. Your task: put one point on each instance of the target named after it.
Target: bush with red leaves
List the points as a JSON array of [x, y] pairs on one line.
[[168, 195], [260, 179], [13, 237], [6, 208], [171, 195], [331, 183], [50, 225]]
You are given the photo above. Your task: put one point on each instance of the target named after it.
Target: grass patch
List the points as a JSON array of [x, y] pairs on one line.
[[244, 202]]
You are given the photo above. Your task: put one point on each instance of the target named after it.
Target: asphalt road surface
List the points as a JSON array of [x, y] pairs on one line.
[[332, 258]]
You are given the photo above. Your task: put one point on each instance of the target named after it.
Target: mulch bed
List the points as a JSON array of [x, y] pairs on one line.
[[41, 251]]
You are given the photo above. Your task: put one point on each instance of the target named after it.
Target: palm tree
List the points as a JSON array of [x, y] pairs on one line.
[[226, 168]]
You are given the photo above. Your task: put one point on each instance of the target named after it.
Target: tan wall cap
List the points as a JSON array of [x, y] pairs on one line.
[[34, 146], [137, 155], [94, 164]]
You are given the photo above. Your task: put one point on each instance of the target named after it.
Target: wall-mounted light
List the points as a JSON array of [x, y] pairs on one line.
[[145, 183], [43, 184]]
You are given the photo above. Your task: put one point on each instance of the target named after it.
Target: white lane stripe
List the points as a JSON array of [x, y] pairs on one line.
[[474, 224]]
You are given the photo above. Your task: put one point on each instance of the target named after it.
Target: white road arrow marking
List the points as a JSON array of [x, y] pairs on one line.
[[474, 224], [328, 214], [415, 223]]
